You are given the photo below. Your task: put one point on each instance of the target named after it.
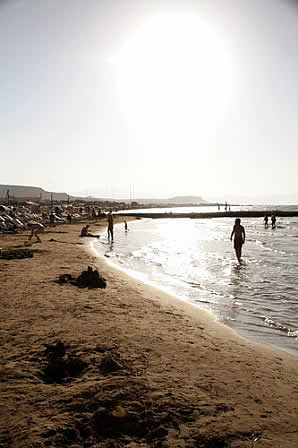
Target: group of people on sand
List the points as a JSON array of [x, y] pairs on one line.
[[85, 229]]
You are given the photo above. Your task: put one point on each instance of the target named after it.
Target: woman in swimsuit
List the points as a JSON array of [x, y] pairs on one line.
[[239, 238]]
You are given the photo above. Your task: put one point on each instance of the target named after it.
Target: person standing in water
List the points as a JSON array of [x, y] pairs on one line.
[[239, 238], [273, 221], [125, 226], [110, 226]]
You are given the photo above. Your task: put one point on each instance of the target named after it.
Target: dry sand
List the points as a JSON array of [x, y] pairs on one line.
[[127, 365]]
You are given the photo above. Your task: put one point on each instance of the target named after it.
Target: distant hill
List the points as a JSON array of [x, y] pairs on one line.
[[186, 200], [23, 192], [180, 200]]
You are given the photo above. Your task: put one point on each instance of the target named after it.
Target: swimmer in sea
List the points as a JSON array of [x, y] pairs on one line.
[[239, 238]]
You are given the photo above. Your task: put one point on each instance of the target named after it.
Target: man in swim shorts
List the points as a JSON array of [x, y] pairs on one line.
[[110, 226]]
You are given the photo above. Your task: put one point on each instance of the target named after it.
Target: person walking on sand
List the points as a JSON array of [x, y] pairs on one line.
[[36, 228], [239, 238], [110, 227]]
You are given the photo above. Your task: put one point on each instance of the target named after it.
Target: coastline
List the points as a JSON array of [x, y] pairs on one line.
[[263, 324], [179, 378]]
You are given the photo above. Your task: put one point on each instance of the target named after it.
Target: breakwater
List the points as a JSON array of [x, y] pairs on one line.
[[195, 215]]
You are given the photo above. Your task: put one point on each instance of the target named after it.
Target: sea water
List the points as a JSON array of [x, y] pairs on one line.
[[194, 260]]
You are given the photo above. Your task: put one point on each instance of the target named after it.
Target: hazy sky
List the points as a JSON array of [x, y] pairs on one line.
[[161, 98]]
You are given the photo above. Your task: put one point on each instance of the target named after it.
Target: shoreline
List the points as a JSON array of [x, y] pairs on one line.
[[170, 298], [135, 275], [155, 372], [217, 214], [189, 308]]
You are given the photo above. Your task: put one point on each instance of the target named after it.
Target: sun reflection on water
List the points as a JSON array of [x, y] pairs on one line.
[[194, 259]]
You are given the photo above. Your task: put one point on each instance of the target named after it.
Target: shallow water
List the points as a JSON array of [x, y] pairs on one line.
[[194, 259]]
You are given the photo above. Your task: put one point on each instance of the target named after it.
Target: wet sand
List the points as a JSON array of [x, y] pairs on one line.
[[127, 365]]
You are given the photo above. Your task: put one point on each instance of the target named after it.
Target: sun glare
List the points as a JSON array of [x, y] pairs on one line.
[[173, 77]]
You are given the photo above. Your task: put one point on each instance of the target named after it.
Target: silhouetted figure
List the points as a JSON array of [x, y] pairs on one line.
[[110, 227], [239, 238], [125, 226], [226, 206], [266, 221], [273, 221], [218, 207], [52, 219], [85, 232]]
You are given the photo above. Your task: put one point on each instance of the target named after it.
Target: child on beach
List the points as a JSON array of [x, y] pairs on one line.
[[239, 238]]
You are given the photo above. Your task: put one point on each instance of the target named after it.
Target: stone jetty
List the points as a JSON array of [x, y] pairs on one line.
[[231, 214]]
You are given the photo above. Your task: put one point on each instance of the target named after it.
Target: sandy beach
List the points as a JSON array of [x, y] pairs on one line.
[[127, 365]]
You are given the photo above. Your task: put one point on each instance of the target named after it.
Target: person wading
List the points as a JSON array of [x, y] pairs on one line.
[[110, 227], [239, 238]]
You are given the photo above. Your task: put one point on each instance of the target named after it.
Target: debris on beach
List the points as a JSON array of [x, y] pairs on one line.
[[87, 279], [66, 278], [91, 279], [12, 254], [61, 365], [110, 363]]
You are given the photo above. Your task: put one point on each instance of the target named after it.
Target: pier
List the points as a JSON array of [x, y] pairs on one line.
[[231, 214]]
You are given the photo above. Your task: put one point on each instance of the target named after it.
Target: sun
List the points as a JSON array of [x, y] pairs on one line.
[[173, 77]]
